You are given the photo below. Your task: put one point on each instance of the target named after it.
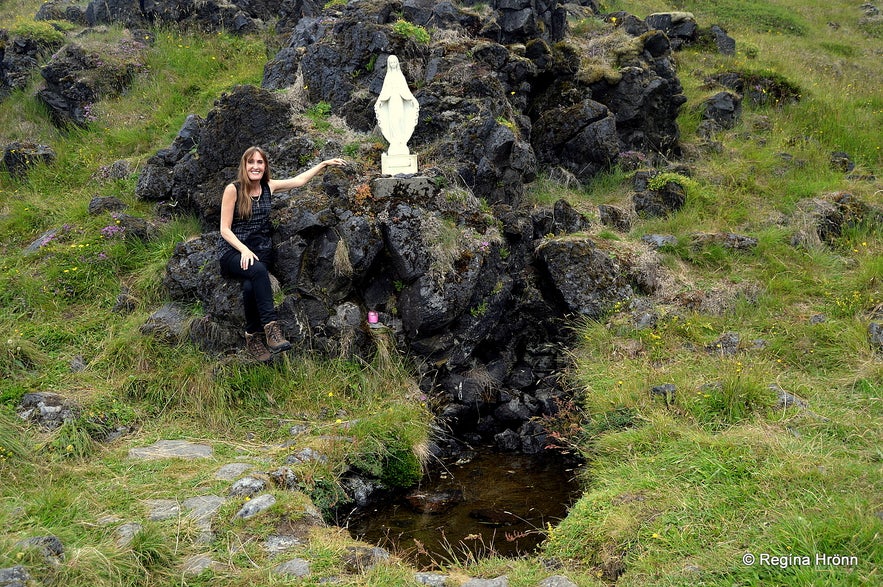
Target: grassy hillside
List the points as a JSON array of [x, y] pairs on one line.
[[676, 492]]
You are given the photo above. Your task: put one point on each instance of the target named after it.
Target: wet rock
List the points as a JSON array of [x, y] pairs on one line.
[[493, 517], [508, 440], [358, 559], [434, 502], [361, 489]]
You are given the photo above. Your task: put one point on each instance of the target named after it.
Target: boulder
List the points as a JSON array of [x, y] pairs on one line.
[[169, 324], [20, 58], [662, 201], [823, 220], [16, 576], [69, 10], [724, 109], [77, 79], [237, 16], [48, 410], [588, 280], [19, 157], [680, 27], [581, 138]]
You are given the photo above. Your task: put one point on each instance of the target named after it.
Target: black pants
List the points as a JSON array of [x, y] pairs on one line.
[[257, 292]]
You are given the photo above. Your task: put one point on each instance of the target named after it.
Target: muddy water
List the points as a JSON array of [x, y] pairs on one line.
[[494, 504]]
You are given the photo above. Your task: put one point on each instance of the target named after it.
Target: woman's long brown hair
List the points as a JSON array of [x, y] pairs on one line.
[[243, 201]]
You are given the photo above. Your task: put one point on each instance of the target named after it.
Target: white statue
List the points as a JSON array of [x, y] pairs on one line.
[[397, 110]]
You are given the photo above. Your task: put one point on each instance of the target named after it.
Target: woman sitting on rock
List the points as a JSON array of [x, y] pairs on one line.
[[246, 247]]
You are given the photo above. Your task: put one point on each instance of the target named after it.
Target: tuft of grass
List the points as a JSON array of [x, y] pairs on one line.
[[412, 31], [44, 33], [152, 549], [14, 446]]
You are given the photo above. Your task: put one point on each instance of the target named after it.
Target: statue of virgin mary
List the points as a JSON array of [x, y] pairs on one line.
[[397, 111]]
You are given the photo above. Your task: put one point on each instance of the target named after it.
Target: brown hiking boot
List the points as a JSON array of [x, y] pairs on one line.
[[275, 340], [256, 347]]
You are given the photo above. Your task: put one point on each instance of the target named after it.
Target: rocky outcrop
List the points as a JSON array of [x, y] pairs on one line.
[[463, 279], [237, 16], [818, 221], [495, 111], [77, 78], [20, 56]]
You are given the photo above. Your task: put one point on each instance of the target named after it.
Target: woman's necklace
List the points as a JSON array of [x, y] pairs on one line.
[[257, 197]]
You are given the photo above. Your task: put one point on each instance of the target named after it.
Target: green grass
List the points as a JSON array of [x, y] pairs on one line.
[[676, 492]]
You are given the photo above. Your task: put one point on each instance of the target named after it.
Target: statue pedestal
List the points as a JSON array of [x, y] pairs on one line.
[[411, 189], [396, 164]]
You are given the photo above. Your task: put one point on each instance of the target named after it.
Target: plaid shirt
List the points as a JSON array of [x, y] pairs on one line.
[[254, 232]]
